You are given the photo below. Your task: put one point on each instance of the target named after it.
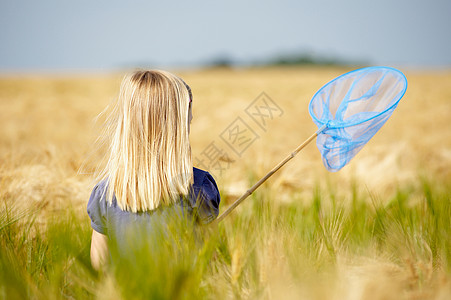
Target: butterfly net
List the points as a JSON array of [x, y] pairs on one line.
[[351, 109]]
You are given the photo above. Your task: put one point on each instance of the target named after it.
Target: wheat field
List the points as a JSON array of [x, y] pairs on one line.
[[48, 154]]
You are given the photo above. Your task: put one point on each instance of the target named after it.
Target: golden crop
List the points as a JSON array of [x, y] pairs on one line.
[[325, 249], [48, 132]]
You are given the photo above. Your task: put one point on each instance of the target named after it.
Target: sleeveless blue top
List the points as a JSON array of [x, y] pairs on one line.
[[202, 205]]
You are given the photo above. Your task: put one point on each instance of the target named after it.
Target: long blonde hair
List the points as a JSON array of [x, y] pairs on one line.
[[149, 160]]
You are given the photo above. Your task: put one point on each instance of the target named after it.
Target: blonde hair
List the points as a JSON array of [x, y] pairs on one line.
[[149, 160]]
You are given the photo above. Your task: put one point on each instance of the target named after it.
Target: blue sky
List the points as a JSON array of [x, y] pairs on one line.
[[101, 35]]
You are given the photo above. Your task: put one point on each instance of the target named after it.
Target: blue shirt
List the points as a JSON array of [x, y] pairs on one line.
[[202, 204]]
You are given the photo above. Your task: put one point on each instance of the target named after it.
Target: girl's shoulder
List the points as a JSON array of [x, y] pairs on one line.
[[200, 175], [203, 179], [97, 207], [206, 198]]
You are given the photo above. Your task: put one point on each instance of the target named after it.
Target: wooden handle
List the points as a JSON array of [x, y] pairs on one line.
[[260, 182]]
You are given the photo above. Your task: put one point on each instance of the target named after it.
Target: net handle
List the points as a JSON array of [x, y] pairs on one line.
[[274, 170]]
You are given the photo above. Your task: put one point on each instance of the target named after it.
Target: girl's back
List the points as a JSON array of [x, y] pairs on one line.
[[149, 176]]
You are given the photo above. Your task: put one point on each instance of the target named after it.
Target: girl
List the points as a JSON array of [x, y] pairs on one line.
[[149, 167]]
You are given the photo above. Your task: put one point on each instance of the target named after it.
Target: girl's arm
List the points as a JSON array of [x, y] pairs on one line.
[[99, 249]]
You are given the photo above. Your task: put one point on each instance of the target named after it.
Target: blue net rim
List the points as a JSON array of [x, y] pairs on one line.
[[356, 71]]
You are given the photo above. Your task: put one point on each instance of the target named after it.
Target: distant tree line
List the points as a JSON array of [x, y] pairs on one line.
[[297, 59]]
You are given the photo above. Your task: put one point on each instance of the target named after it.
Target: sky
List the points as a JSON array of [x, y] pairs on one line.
[[103, 35]]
